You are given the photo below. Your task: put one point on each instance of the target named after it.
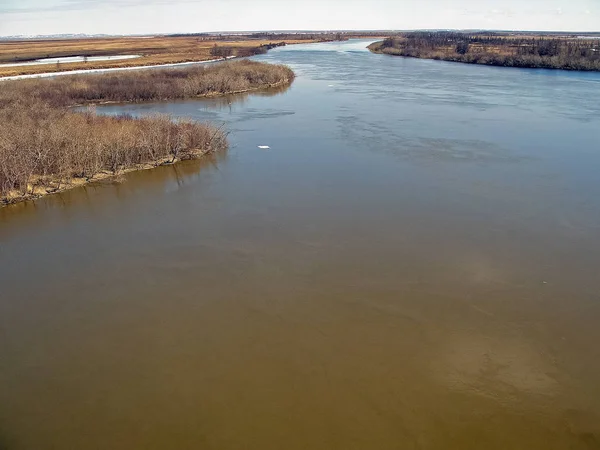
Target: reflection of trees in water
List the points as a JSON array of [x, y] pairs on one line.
[[226, 101], [91, 198], [158, 179], [184, 170], [153, 179]]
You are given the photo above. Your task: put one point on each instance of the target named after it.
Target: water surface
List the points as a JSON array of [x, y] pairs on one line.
[[413, 264]]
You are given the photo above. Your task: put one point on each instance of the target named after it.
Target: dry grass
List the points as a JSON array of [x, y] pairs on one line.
[[150, 85], [46, 147], [154, 51]]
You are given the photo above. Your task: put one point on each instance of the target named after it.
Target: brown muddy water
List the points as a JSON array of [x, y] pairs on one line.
[[413, 264]]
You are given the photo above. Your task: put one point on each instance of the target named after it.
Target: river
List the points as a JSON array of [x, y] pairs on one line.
[[413, 263]]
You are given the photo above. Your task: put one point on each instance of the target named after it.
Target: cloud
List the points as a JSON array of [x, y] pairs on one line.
[[166, 16], [503, 12], [82, 5]]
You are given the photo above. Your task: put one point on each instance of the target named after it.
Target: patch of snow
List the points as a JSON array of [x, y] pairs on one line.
[[112, 69], [70, 59]]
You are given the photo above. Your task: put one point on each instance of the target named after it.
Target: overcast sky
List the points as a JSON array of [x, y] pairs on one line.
[[160, 16]]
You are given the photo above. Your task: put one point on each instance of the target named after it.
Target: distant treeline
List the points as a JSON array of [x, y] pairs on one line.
[[225, 51], [268, 36], [323, 37], [499, 50], [45, 146]]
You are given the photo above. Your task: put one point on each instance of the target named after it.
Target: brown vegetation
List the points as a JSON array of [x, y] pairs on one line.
[[46, 147], [548, 52], [152, 84], [153, 50]]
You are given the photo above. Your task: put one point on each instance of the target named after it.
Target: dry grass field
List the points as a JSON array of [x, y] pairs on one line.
[[153, 51]]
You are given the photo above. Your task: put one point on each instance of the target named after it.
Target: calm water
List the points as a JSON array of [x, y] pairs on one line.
[[413, 264]]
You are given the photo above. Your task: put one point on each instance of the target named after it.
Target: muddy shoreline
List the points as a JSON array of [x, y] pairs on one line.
[[51, 187]]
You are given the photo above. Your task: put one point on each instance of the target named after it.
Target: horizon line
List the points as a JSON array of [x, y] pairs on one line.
[[293, 31]]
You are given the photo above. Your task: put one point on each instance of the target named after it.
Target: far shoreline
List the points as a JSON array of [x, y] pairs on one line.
[[504, 52]]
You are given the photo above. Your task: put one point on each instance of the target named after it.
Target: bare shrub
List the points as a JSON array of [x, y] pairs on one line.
[[44, 144], [150, 85]]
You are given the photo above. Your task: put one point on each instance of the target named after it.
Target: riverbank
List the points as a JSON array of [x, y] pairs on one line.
[[46, 147], [40, 187], [536, 52]]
